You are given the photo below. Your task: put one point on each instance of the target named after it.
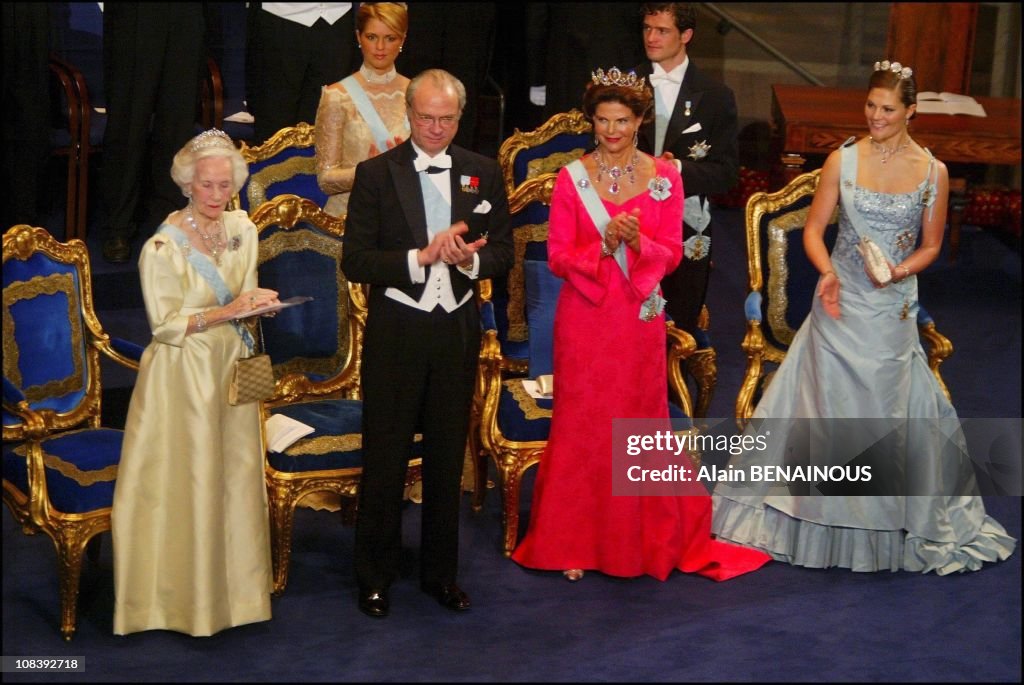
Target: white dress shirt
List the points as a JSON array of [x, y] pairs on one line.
[[306, 13]]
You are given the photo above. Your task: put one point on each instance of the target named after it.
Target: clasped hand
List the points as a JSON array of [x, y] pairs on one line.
[[449, 247], [624, 228]]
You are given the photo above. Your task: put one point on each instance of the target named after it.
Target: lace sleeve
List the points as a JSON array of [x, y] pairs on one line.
[[332, 176]]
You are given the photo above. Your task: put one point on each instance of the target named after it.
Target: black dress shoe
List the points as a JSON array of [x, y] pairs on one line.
[[117, 250], [374, 603], [448, 595]]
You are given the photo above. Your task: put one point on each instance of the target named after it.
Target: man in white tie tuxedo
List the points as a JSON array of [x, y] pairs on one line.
[[694, 124], [426, 220]]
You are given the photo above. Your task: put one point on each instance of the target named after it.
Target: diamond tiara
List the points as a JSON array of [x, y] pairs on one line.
[[894, 67], [212, 138], [615, 77]]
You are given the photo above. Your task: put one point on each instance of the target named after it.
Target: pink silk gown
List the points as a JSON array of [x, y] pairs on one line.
[[608, 364]]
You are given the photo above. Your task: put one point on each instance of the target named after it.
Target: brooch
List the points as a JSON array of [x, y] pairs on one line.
[[660, 188], [696, 247], [235, 243], [848, 183], [699, 150], [905, 240], [470, 184], [583, 183]]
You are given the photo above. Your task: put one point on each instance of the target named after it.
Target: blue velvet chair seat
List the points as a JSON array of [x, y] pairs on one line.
[[336, 442], [81, 467], [283, 165], [522, 418]]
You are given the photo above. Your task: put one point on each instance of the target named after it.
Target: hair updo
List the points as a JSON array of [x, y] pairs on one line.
[[905, 86]]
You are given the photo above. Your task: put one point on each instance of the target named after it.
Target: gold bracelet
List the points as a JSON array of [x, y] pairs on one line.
[[906, 271], [830, 271]]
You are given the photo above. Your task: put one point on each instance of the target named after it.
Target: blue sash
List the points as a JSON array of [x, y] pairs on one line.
[[369, 113], [655, 303], [205, 268]]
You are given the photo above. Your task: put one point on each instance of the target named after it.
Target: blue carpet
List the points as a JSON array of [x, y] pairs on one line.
[[779, 624]]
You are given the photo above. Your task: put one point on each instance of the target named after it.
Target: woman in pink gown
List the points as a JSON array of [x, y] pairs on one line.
[[609, 359]]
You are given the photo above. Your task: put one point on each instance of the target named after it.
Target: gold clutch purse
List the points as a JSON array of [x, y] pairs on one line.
[[252, 379]]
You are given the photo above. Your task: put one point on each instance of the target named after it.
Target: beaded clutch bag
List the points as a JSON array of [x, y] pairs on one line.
[[875, 262]]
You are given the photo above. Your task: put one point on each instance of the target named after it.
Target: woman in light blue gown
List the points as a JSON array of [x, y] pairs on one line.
[[858, 356]]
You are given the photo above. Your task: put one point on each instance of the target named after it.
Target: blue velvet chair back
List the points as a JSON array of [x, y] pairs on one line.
[[47, 356], [564, 137], [788, 278], [310, 345], [284, 165]]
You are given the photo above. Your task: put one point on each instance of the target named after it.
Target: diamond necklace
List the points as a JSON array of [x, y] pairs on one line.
[[214, 242], [889, 152], [615, 173]]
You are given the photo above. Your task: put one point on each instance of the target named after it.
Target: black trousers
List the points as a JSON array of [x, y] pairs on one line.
[[418, 374], [286, 65], [686, 287], [152, 57], [25, 38]]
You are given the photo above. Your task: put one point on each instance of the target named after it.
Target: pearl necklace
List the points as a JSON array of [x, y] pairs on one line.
[[616, 172], [889, 152], [213, 241], [373, 77]]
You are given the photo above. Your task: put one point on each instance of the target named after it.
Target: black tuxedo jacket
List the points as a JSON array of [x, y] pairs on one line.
[[386, 219], [713, 106]]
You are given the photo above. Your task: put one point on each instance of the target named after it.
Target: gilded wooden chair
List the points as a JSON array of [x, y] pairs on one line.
[[316, 352], [781, 288], [283, 165], [60, 463], [513, 425]]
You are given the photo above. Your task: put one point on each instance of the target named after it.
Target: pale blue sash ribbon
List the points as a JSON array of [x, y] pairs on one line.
[[378, 130], [655, 303], [661, 117], [205, 268]]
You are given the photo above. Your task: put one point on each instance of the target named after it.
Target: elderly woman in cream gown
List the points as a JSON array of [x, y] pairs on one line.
[[190, 520]]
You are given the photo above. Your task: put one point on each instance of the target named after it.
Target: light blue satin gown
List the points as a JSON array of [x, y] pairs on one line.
[[867, 364]]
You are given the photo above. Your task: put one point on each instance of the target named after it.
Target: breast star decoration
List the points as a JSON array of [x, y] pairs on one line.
[[699, 150]]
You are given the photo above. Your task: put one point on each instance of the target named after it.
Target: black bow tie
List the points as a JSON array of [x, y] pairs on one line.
[[434, 170]]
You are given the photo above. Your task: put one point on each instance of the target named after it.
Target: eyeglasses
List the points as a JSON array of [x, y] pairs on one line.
[[426, 120]]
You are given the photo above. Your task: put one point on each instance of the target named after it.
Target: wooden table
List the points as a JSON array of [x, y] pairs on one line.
[[812, 120]]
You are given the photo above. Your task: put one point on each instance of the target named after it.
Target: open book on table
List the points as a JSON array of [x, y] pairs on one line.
[[930, 102]]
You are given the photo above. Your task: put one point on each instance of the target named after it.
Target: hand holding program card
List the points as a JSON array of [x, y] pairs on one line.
[[283, 304]]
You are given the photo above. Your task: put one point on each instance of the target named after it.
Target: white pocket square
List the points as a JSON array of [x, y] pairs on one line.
[[482, 208], [693, 129]]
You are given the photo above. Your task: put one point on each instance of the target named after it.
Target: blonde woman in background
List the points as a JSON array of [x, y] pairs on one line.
[[363, 115]]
